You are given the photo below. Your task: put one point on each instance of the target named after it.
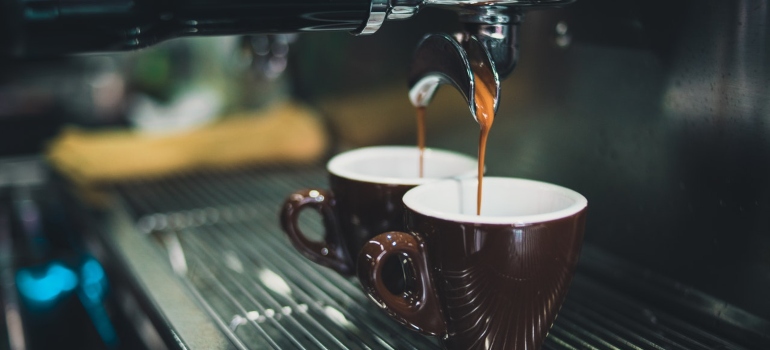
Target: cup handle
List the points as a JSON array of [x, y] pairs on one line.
[[329, 252], [418, 309]]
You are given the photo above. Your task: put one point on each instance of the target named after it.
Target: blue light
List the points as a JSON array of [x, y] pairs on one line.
[[93, 280], [45, 286], [93, 287]]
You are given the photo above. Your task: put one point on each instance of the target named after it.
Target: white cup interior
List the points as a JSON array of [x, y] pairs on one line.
[[504, 201], [401, 165]]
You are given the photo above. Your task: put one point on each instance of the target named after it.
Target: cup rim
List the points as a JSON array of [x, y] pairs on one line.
[[338, 164], [411, 201]]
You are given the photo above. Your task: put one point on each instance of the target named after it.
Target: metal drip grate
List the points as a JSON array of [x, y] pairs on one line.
[[221, 234]]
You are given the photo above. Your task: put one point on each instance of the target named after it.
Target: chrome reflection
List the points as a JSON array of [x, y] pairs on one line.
[[337, 316], [275, 282], [254, 316], [233, 262]]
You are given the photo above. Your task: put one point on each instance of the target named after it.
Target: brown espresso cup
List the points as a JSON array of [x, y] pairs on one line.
[[367, 186], [494, 281]]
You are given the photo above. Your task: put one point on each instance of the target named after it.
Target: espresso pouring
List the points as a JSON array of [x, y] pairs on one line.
[[421, 137], [485, 113]]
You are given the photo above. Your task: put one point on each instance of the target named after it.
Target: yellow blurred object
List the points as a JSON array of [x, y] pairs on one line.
[[283, 133]]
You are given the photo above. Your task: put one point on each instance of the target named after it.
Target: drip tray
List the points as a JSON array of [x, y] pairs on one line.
[[213, 237]]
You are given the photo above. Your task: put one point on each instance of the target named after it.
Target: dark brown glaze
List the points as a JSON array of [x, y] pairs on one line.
[[330, 252], [418, 308], [364, 210], [353, 212], [498, 286]]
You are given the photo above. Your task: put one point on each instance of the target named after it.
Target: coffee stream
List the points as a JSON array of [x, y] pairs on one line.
[[421, 137], [485, 113]]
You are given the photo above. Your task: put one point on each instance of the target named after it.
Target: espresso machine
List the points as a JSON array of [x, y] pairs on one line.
[[654, 110]]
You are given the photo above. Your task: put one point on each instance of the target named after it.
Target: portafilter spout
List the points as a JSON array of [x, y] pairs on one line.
[[440, 59], [485, 51]]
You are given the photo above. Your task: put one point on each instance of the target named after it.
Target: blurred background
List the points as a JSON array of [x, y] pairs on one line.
[[656, 111]]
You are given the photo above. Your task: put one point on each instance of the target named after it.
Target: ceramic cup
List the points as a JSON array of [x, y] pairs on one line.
[[494, 281], [367, 186]]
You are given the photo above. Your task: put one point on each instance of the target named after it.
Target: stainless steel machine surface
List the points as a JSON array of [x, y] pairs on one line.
[[207, 251]]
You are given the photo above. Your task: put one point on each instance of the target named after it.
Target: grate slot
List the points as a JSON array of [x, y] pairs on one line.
[[198, 247], [314, 307], [608, 331], [554, 342], [638, 318], [616, 326], [564, 338], [568, 324], [222, 290]]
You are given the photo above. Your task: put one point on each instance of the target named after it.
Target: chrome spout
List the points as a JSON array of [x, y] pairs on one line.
[[496, 28], [442, 60], [487, 48]]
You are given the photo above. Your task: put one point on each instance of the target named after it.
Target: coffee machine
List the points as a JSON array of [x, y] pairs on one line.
[[654, 110], [488, 38]]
